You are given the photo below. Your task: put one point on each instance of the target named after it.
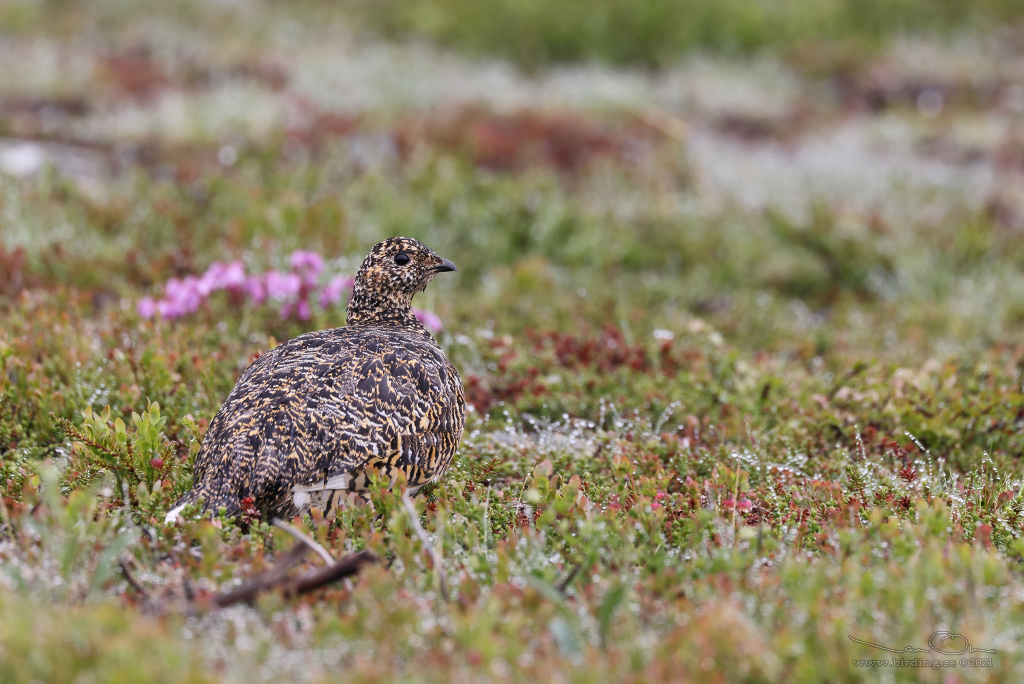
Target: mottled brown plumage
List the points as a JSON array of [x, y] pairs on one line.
[[308, 418]]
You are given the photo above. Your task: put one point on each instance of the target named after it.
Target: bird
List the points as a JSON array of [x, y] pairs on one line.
[[313, 417]]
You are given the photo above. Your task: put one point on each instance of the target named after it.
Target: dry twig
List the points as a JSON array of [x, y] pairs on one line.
[[566, 582], [346, 567], [304, 538], [132, 581], [277, 577]]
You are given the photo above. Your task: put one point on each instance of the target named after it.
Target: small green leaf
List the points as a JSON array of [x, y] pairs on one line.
[[612, 599], [565, 636]]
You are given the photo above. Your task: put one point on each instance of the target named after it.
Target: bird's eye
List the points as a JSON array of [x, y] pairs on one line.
[[402, 259]]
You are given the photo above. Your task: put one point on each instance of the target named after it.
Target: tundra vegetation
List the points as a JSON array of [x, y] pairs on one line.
[[738, 312]]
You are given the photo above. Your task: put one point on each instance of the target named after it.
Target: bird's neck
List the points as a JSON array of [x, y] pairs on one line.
[[367, 308]]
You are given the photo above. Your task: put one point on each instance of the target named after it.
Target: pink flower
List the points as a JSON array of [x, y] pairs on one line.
[[308, 265], [302, 260], [256, 289], [234, 276], [190, 295], [180, 297], [294, 290], [729, 504], [211, 279], [332, 291], [429, 319], [146, 307], [221, 276], [168, 309], [744, 505], [300, 308], [282, 285]]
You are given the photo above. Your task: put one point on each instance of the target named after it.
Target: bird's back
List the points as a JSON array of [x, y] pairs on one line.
[[313, 414]]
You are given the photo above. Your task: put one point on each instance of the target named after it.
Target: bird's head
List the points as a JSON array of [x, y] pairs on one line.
[[393, 271]]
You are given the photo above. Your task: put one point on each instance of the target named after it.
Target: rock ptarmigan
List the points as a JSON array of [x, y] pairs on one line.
[[308, 419]]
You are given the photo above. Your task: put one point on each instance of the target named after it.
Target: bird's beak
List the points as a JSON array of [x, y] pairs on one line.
[[444, 266]]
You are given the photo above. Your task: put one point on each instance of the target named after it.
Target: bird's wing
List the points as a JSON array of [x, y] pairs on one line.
[[250, 442], [248, 393], [379, 406], [306, 414]]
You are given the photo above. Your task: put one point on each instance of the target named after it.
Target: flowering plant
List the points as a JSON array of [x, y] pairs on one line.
[[295, 291]]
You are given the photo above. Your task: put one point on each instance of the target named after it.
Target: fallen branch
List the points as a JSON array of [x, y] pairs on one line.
[[277, 577], [304, 538], [132, 581], [422, 534], [346, 567], [271, 578], [563, 586]]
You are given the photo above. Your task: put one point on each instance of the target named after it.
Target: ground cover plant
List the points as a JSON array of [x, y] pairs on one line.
[[656, 32], [741, 337]]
